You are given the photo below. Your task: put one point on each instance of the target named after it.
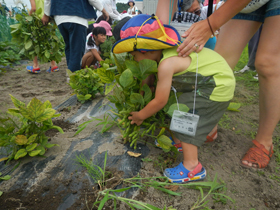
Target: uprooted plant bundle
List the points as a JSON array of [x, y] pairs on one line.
[[22, 130], [128, 94], [35, 39]]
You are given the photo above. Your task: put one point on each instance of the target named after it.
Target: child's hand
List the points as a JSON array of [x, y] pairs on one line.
[[135, 119]]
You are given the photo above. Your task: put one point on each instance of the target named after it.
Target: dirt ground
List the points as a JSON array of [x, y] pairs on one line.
[[249, 188]]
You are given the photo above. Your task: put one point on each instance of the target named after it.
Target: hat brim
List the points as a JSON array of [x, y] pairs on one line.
[[145, 43]]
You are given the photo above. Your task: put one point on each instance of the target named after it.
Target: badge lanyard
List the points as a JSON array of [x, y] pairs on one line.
[[183, 122]]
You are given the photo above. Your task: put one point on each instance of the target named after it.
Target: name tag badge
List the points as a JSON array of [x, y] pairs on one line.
[[183, 122]]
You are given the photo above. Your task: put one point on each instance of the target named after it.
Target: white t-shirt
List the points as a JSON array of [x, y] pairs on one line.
[[89, 47], [133, 10]]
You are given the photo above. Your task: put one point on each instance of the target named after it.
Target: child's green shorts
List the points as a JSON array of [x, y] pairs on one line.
[[210, 112]]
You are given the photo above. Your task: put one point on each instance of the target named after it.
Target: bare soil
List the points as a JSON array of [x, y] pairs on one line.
[[250, 188]]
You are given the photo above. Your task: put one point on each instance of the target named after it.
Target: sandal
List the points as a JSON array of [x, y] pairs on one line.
[[257, 155], [178, 146], [33, 70], [212, 137], [180, 174], [53, 69]]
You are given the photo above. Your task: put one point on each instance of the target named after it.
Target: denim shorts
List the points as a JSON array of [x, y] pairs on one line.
[[271, 8]]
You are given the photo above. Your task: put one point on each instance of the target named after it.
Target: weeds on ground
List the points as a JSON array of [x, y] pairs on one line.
[[213, 188], [97, 173]]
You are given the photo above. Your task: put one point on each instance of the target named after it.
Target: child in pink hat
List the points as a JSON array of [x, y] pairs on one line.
[[93, 42]]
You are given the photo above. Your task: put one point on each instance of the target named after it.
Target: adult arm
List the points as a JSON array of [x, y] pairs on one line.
[[98, 5], [108, 6], [47, 12], [162, 10], [200, 32]]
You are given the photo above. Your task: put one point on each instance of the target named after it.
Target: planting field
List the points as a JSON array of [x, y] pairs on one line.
[[63, 179]]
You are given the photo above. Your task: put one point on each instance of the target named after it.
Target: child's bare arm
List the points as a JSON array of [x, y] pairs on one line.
[[96, 55], [165, 74], [33, 7]]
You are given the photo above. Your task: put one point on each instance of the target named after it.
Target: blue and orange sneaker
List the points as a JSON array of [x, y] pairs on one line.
[[33, 70], [53, 69], [180, 174]]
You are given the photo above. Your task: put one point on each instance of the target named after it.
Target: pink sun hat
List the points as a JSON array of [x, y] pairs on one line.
[[105, 25]]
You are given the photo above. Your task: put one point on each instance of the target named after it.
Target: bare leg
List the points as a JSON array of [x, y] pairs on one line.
[[190, 156], [53, 64], [88, 59], [35, 62], [268, 67], [233, 37]]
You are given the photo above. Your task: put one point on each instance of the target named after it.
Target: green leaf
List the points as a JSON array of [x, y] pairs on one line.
[[21, 153], [164, 142], [87, 96], [7, 177], [234, 107], [50, 145], [161, 132], [29, 18], [126, 79], [21, 140], [147, 93], [57, 128], [119, 95], [47, 54], [40, 147], [136, 98], [182, 108], [39, 11], [31, 147], [148, 66], [105, 76], [47, 104], [109, 87], [134, 68], [32, 138], [34, 153], [17, 102], [28, 44]]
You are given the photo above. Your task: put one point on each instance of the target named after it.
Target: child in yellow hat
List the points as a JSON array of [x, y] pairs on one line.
[[205, 78]]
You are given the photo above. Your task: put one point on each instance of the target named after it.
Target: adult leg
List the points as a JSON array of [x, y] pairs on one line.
[[233, 37], [65, 34], [77, 42], [268, 67]]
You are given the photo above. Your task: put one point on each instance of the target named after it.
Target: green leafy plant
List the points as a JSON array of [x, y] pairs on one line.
[[9, 54], [86, 84], [35, 39], [107, 46], [26, 134], [128, 94]]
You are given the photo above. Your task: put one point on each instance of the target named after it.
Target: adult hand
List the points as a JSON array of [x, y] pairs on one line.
[[105, 14], [45, 19], [196, 37], [135, 119]]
